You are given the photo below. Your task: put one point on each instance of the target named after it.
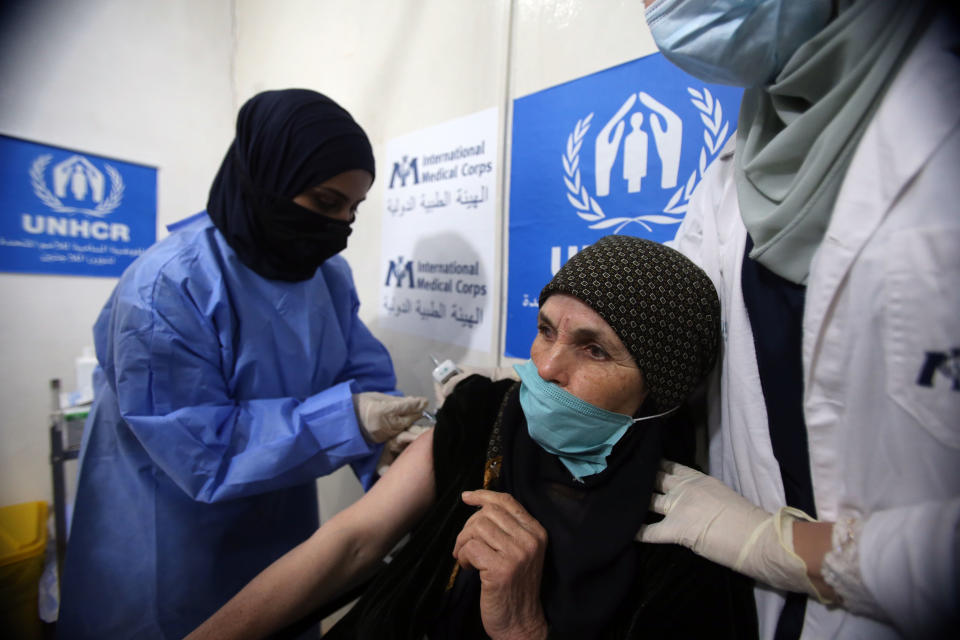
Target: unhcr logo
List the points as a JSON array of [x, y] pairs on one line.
[[624, 138], [78, 186]]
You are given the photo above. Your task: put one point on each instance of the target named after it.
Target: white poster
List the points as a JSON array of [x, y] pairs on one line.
[[439, 232]]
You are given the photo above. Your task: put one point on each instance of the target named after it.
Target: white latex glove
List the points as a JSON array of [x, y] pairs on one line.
[[382, 416], [706, 516], [396, 445], [494, 373]]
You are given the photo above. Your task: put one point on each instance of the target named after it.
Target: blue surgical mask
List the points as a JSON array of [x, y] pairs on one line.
[[580, 434], [737, 42]]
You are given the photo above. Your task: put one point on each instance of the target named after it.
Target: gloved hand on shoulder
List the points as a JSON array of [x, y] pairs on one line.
[[382, 416], [706, 516]]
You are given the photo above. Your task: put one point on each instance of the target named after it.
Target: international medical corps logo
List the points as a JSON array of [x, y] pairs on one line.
[[667, 130], [406, 168], [77, 182]]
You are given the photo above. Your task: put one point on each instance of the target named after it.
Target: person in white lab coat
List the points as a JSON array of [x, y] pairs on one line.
[[829, 226]]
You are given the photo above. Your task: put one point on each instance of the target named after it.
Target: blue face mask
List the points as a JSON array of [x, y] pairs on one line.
[[575, 431], [737, 42]]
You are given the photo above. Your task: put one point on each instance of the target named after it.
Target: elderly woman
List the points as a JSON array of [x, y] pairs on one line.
[[522, 501]]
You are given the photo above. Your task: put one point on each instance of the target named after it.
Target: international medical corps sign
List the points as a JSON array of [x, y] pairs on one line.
[[619, 151], [72, 213], [439, 231]]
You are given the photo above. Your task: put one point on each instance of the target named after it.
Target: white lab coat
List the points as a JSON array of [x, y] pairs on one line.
[[883, 293]]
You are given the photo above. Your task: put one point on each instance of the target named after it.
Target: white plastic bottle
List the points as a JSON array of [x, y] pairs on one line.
[[85, 365], [443, 370]]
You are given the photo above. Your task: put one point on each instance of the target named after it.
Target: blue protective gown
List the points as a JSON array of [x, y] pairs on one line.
[[220, 398]]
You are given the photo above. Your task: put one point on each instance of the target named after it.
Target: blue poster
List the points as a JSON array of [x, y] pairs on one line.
[[619, 151], [72, 213]]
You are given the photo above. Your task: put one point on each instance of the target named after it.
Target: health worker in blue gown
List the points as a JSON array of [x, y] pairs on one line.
[[234, 370]]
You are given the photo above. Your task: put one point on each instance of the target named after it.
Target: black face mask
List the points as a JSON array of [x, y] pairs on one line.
[[297, 240]]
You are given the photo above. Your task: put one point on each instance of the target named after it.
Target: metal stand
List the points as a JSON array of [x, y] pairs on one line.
[[59, 454]]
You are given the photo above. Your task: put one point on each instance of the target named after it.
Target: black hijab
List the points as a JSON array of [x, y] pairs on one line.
[[286, 142]]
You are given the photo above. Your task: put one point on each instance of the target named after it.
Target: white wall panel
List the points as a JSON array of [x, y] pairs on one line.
[[138, 80], [559, 40], [160, 82]]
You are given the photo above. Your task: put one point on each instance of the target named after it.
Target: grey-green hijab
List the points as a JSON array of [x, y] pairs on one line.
[[796, 137]]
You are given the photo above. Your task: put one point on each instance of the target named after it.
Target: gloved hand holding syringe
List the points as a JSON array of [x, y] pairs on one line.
[[446, 376], [442, 372]]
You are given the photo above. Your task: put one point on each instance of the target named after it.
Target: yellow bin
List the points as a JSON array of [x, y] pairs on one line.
[[23, 540]]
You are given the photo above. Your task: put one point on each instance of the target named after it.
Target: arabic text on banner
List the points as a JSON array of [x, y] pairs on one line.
[[439, 229]]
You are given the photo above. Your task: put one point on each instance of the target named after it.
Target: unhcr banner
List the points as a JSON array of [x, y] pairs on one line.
[[619, 151], [72, 213]]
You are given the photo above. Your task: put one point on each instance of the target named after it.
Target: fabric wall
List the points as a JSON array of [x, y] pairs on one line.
[[159, 84], [147, 82]]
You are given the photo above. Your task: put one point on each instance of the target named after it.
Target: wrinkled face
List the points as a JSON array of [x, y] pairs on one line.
[[338, 197], [578, 351]]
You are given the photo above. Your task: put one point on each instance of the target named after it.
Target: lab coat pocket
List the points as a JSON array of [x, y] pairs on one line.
[[922, 332]]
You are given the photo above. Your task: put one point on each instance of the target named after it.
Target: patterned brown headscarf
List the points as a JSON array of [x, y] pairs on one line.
[[661, 305]]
